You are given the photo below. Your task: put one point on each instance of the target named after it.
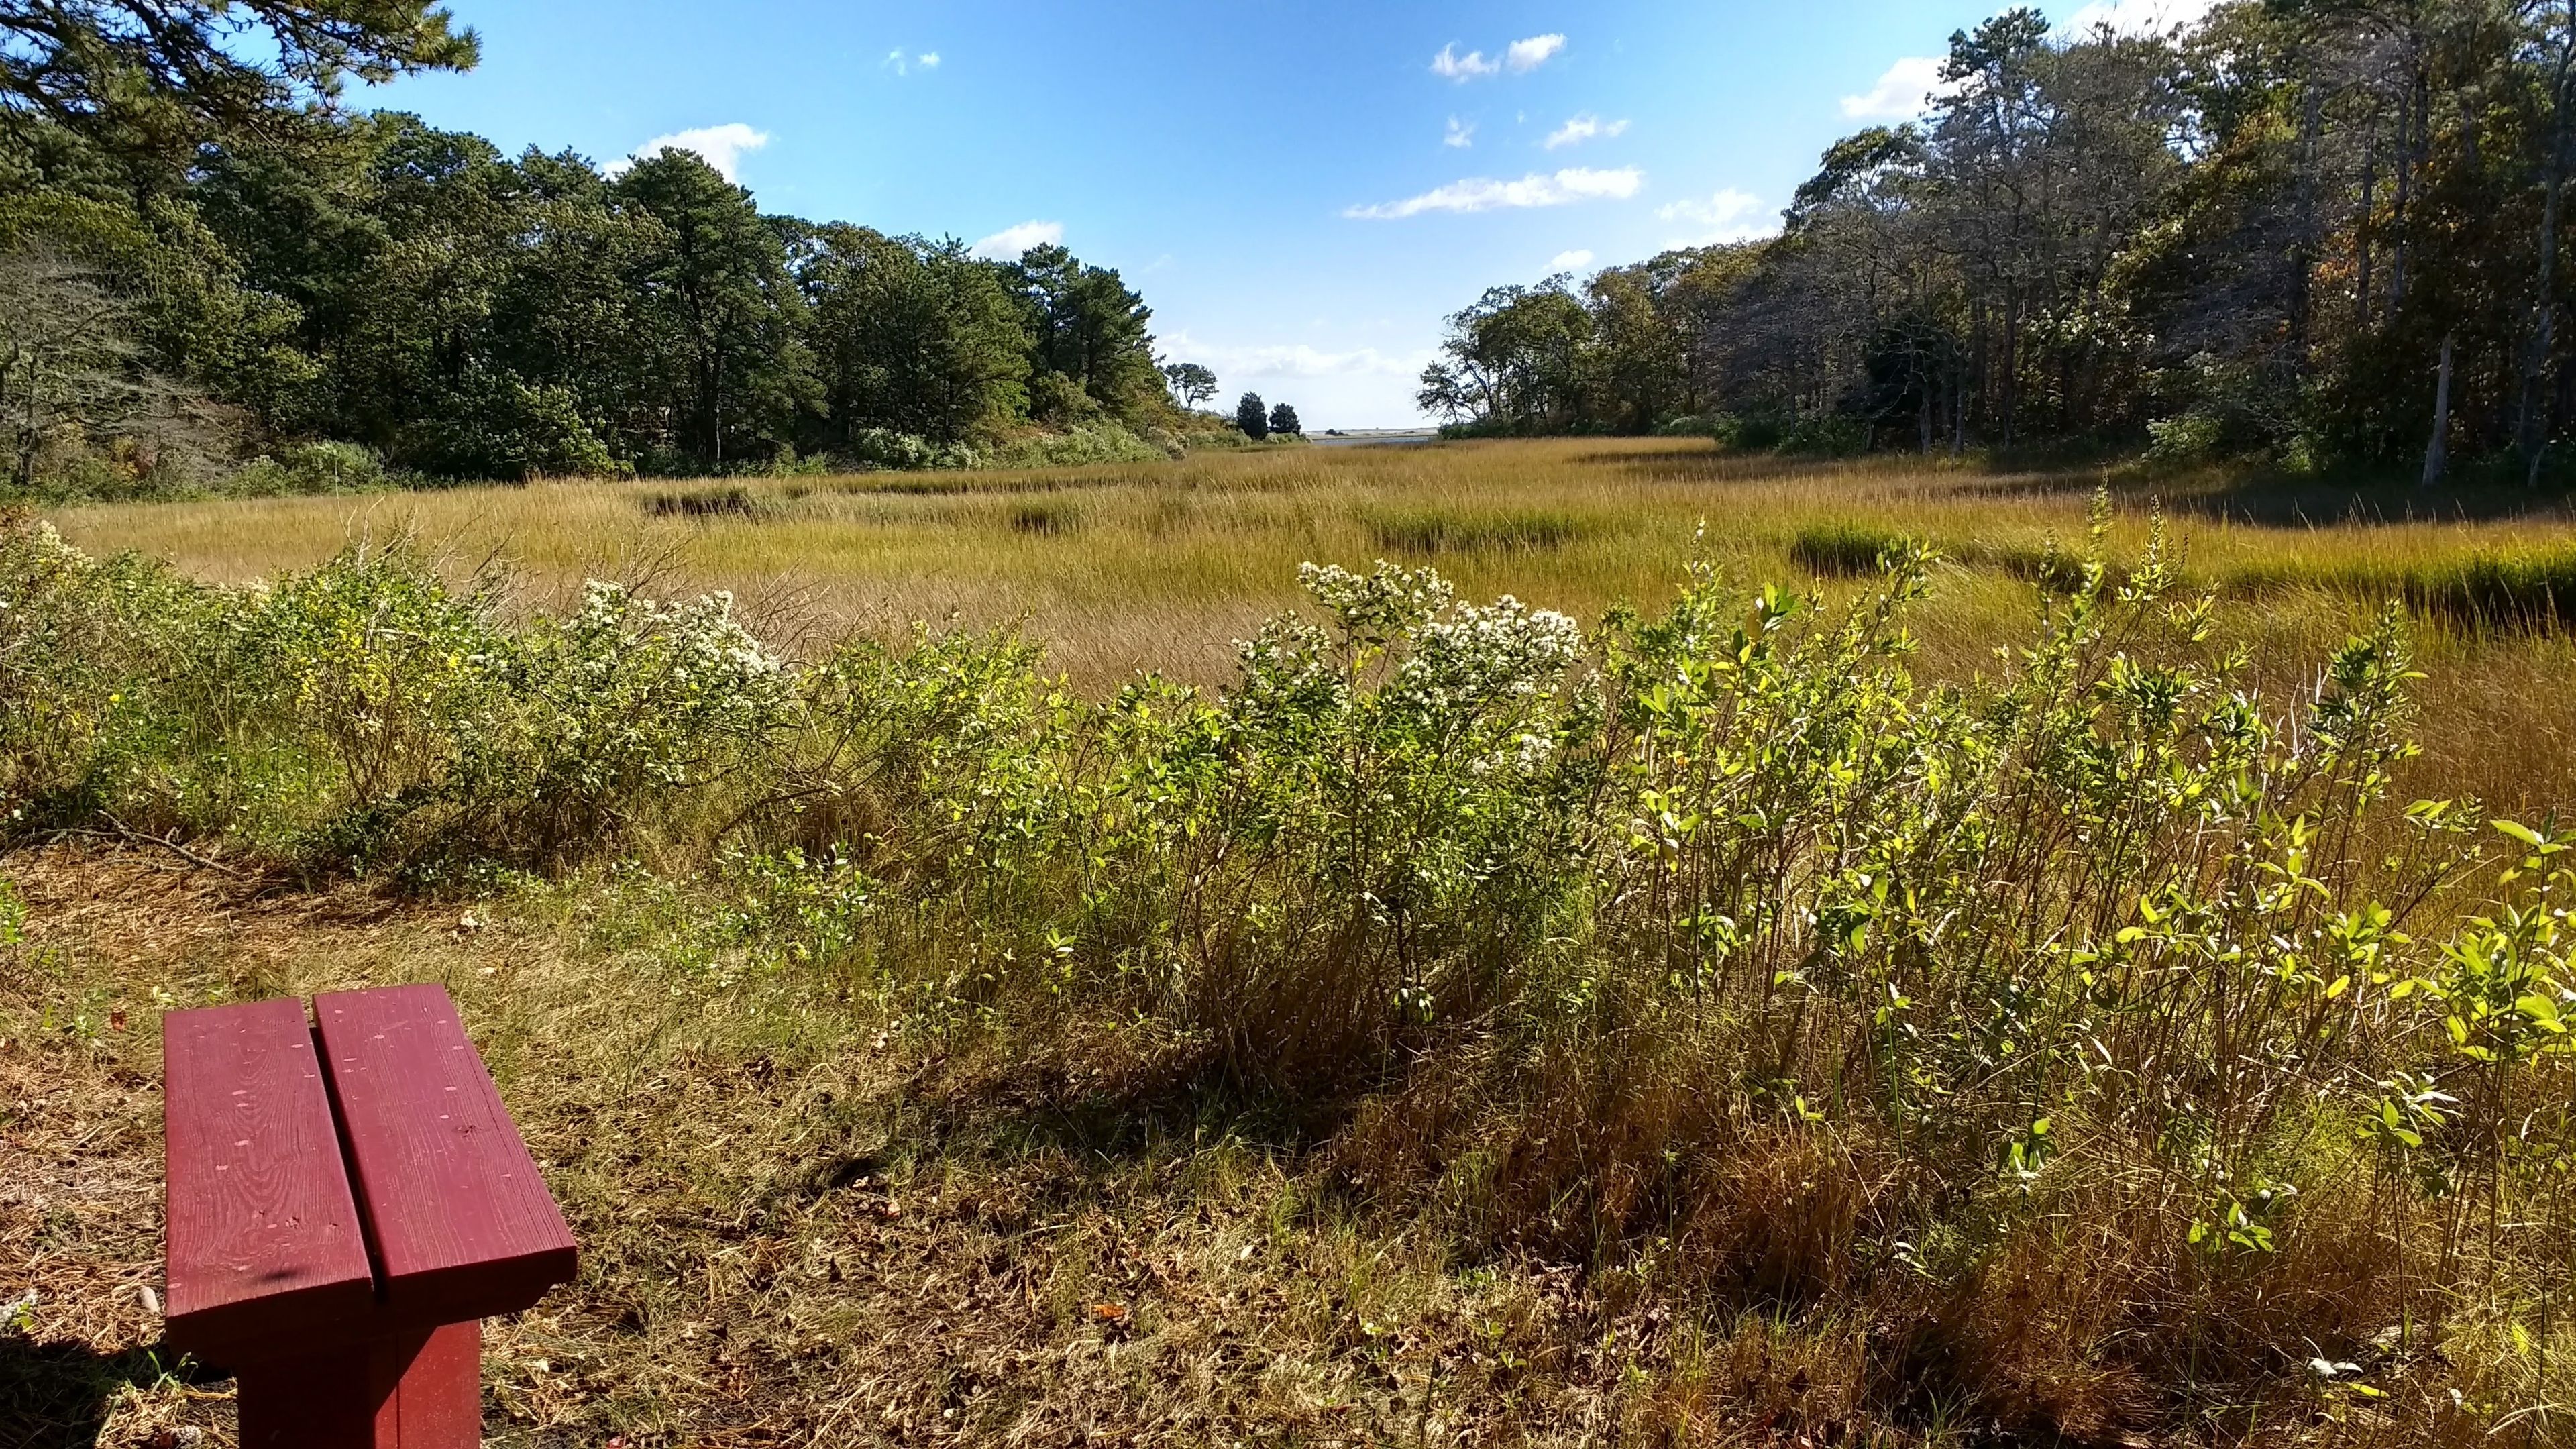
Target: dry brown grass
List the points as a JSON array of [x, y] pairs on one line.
[[805, 1225], [792, 1233], [799, 1229]]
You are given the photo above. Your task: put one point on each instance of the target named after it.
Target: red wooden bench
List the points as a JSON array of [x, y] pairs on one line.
[[347, 1200]]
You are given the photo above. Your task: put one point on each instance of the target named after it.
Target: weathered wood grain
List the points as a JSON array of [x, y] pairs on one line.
[[461, 1222], [264, 1237]]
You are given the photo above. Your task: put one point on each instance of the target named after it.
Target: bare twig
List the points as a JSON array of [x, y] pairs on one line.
[[130, 835]]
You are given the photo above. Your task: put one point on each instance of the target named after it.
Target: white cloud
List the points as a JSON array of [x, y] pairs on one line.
[[1728, 215], [1479, 193], [1450, 65], [1530, 54], [1295, 361], [1520, 57], [1573, 261], [720, 146], [902, 64], [1901, 94], [1459, 135], [927, 60], [1582, 128], [1007, 244], [2135, 17]]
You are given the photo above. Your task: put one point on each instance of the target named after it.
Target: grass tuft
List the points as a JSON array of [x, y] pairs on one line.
[[1844, 548], [1433, 532], [731, 501], [2523, 589]]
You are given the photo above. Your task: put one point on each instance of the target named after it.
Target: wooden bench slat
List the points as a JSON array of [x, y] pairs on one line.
[[462, 1223], [264, 1237]]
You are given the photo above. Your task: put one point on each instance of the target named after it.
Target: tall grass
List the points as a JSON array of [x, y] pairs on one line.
[[2517, 588], [2089, 1045], [1157, 567]]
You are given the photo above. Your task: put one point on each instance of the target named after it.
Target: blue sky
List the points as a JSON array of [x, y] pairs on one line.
[[1300, 191]]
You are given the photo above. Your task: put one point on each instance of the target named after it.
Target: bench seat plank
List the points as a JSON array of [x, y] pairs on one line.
[[462, 1224], [265, 1247]]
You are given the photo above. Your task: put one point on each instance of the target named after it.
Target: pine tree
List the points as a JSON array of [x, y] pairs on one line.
[[1252, 417], [1283, 419]]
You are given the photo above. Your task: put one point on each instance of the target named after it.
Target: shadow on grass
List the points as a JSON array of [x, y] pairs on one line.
[[2348, 502], [1141, 1104], [2235, 494], [57, 1395], [1110, 1108]]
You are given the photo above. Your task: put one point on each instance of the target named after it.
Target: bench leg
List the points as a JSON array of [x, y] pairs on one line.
[[418, 1391]]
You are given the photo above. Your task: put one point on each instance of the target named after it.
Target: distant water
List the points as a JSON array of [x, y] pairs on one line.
[[1374, 439]]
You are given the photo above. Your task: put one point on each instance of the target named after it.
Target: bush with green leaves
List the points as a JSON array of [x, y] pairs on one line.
[[309, 468], [1368, 836], [368, 714], [496, 425], [886, 448], [87, 646], [2098, 998], [1091, 443]]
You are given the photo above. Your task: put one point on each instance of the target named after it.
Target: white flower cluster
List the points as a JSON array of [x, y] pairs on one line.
[[1481, 654], [707, 644], [47, 549], [1284, 668], [50, 545], [1374, 608]]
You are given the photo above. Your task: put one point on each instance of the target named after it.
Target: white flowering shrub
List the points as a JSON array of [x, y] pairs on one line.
[[368, 714], [1367, 836], [1714, 936]]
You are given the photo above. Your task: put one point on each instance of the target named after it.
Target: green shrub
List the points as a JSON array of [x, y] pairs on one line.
[[1060, 400], [1832, 435], [1095, 443], [886, 448], [496, 426], [1826, 435], [366, 715], [309, 468], [87, 648], [1758, 432], [1714, 944], [72, 467], [2185, 438], [2217, 408]]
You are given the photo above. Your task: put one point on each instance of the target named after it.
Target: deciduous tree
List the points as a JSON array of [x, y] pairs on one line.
[[1190, 382]]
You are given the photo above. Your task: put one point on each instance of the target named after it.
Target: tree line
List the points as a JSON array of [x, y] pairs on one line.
[[2317, 231], [200, 245]]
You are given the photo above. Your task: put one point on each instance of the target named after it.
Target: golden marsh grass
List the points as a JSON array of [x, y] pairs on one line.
[[1121, 568]]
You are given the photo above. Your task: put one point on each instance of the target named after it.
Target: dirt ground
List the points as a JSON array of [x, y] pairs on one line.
[[793, 1232]]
